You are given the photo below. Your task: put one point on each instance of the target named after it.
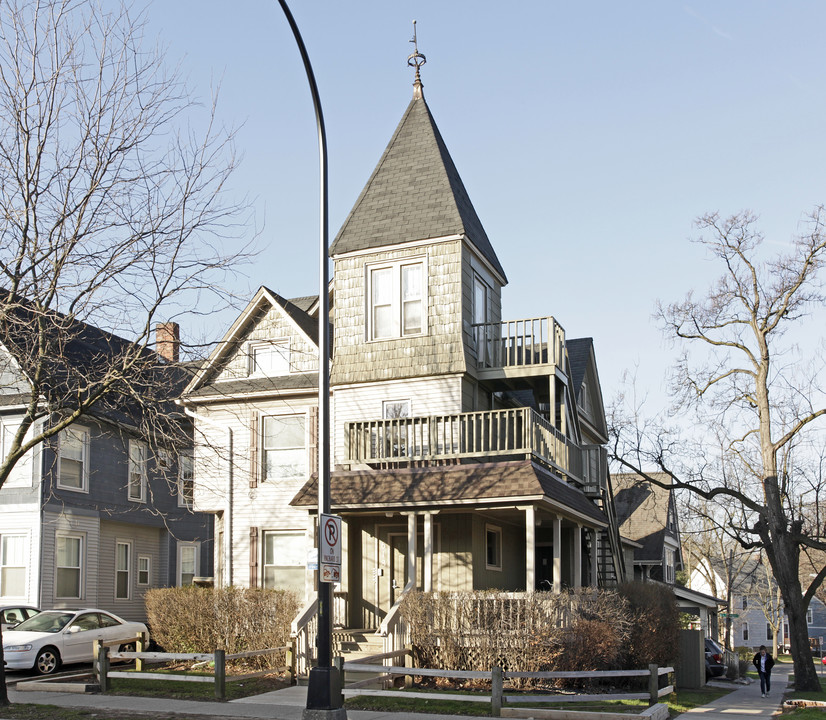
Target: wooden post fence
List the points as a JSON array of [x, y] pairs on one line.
[[496, 688], [220, 675], [653, 684]]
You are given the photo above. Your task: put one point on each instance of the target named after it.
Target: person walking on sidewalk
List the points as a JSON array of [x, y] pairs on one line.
[[764, 663]]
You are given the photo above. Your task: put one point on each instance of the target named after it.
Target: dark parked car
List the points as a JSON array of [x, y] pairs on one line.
[[714, 659]]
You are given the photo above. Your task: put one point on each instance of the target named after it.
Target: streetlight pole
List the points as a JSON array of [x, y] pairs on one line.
[[324, 690]]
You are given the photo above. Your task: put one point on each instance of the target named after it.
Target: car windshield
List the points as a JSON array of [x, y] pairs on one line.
[[46, 622]]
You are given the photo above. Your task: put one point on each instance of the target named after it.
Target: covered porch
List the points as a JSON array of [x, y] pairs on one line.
[[509, 526]]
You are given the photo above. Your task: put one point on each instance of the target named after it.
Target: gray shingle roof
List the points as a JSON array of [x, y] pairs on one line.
[[642, 512], [483, 483], [415, 193], [579, 353]]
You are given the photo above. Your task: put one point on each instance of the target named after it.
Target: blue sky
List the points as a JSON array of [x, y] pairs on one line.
[[589, 135]]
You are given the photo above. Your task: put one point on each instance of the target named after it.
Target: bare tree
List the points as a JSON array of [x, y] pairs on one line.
[[754, 393], [715, 559], [113, 215]]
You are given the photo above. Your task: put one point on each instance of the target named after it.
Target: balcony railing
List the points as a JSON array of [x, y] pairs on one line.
[[487, 435], [519, 343]]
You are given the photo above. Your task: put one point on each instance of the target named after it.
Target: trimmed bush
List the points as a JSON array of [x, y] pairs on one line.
[[655, 624], [191, 619]]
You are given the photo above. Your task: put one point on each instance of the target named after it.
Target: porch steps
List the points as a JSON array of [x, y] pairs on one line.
[[354, 645]]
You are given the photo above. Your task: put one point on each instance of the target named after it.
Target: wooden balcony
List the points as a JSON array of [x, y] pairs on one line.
[[465, 437], [519, 345]]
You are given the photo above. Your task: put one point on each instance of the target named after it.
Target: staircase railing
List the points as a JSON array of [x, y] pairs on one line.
[[304, 630], [613, 530], [393, 628]]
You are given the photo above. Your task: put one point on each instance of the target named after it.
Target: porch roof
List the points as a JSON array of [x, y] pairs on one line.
[[455, 485]]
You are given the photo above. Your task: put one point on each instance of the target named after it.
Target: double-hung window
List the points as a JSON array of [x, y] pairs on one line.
[[283, 445], [123, 574], [144, 569], [397, 300], [284, 560], [187, 563], [137, 471], [12, 565], [186, 481], [270, 358], [73, 465], [69, 562]]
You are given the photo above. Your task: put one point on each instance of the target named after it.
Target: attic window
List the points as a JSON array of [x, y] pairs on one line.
[[396, 300], [584, 401], [269, 358]]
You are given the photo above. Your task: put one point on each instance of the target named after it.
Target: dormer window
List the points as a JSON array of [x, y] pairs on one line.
[[269, 359], [397, 300]]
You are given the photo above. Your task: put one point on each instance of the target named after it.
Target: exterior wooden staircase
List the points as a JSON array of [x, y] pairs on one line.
[[353, 645]]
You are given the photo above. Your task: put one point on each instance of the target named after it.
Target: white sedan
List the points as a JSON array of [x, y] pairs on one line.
[[53, 637]]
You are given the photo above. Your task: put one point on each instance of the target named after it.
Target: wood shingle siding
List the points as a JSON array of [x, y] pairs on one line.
[[438, 351]]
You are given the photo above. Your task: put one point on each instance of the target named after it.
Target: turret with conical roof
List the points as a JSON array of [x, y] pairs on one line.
[[412, 223]]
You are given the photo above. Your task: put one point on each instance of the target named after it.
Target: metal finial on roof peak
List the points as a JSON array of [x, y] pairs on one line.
[[416, 60]]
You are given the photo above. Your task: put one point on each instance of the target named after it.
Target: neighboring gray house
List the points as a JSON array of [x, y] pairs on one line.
[[753, 608], [95, 516]]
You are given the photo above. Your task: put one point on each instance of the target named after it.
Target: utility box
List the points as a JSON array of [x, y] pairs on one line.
[[691, 668]]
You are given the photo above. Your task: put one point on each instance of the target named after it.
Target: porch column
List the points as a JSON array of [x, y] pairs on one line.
[[530, 548], [428, 552], [595, 557], [577, 556], [557, 554], [411, 547]]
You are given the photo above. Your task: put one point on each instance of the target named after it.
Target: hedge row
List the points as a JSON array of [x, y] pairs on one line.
[[192, 619]]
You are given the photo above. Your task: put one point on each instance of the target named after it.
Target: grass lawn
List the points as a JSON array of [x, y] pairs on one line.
[[677, 703], [806, 713]]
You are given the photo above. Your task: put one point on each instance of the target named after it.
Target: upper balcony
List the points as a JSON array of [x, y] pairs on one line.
[[519, 347], [485, 436]]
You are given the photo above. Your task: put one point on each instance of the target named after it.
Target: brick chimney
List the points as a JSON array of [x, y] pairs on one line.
[[168, 340]]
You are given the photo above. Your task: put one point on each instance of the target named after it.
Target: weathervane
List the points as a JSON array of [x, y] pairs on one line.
[[416, 60]]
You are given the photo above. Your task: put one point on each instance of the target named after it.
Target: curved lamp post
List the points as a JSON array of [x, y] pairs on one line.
[[324, 690]]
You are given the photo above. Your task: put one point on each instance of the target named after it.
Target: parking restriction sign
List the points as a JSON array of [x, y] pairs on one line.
[[330, 541]]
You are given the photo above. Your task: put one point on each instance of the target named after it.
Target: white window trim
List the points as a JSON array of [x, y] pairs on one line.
[[293, 533], [85, 444], [386, 403], [262, 460], [81, 574], [182, 501], [181, 546], [142, 445], [253, 345], [396, 302], [26, 550], [498, 532], [148, 582], [810, 616], [128, 571]]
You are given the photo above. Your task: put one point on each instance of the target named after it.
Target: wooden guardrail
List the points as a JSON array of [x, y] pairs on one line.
[[497, 677], [218, 658]]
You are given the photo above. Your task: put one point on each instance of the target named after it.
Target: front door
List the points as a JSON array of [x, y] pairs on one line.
[[393, 564]]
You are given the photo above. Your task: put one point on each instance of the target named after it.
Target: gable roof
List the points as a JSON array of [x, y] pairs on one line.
[[579, 353], [415, 193], [79, 360], [642, 512], [481, 483], [296, 310]]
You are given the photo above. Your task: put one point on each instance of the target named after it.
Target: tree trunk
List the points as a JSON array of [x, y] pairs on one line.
[[805, 675]]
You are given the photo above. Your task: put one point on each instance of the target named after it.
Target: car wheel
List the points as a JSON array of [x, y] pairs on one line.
[[47, 661], [129, 647]]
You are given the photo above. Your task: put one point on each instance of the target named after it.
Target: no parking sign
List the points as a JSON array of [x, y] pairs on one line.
[[330, 542]]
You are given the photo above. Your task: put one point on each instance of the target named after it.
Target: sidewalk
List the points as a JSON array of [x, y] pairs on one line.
[[744, 703]]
